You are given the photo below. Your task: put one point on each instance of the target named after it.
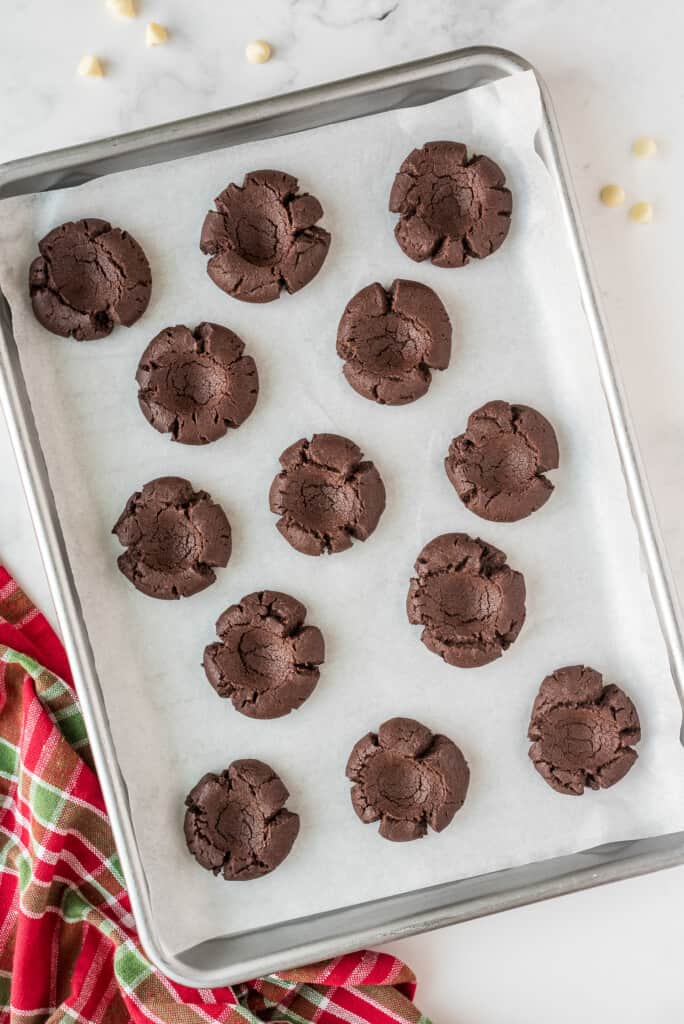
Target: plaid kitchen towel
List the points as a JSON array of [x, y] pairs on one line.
[[68, 945]]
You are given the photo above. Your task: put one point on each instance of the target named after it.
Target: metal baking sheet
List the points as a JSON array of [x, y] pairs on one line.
[[235, 957]]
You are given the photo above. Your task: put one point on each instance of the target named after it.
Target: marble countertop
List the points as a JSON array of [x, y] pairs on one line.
[[613, 69]]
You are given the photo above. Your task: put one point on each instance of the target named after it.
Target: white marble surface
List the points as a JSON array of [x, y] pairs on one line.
[[614, 72]]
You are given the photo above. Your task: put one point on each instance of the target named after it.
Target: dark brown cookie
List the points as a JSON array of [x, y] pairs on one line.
[[497, 466], [582, 731], [390, 339], [267, 659], [451, 208], [262, 237], [173, 536], [325, 495], [236, 823], [469, 601], [196, 384], [407, 779], [89, 276]]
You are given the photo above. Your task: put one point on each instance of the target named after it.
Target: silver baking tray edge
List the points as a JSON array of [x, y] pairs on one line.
[[234, 958]]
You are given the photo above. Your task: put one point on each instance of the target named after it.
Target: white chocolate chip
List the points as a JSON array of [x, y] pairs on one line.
[[612, 195], [156, 34], [258, 51], [641, 213], [124, 8], [90, 67], [644, 146]]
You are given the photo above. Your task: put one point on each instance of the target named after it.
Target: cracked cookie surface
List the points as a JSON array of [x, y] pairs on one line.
[[173, 535], [582, 731], [407, 779], [451, 208], [195, 385], [89, 276], [326, 495], [267, 661], [470, 603], [263, 237], [497, 466], [391, 338], [236, 823]]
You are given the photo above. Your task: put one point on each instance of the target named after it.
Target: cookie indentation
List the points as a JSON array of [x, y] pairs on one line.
[[451, 208], [497, 466], [195, 385], [173, 536], [470, 603], [407, 779], [236, 823], [582, 731], [89, 276], [263, 237], [326, 495], [391, 338], [267, 661]]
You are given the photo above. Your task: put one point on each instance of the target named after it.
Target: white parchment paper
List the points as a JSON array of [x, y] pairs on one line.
[[519, 335]]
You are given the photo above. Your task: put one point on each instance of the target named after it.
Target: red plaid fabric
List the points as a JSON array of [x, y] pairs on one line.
[[68, 945]]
